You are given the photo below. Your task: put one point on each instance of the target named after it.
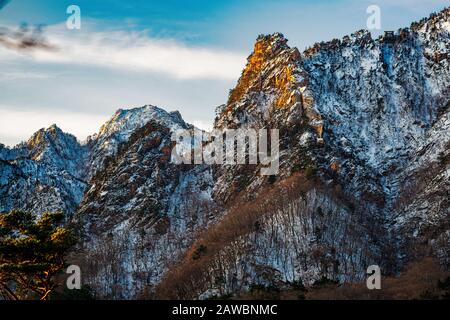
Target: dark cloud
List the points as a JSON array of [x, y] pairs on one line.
[[24, 37]]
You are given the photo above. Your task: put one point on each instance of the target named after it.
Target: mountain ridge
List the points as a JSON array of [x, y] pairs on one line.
[[364, 163]]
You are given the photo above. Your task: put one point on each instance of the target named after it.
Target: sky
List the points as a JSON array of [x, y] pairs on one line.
[[178, 55]]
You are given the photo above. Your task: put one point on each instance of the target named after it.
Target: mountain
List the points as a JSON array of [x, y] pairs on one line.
[[370, 116], [140, 206], [44, 173], [363, 179]]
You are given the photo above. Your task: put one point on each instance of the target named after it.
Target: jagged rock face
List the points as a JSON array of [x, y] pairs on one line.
[[133, 204], [43, 174], [376, 98], [275, 91], [130, 169], [119, 129], [381, 107], [379, 98], [52, 169], [421, 209], [124, 255], [134, 183], [270, 82], [140, 211], [363, 122], [384, 103], [272, 93]]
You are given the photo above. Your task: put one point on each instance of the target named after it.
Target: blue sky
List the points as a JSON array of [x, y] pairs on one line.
[[180, 55]]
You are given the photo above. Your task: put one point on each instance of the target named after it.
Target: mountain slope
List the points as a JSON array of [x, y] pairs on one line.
[[364, 175], [139, 205], [369, 115]]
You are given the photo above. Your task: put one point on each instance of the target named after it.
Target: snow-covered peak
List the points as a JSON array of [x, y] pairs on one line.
[[125, 122], [57, 149], [47, 136], [43, 174], [122, 125]]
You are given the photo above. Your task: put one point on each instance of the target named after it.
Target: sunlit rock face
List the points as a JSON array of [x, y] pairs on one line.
[[364, 134]]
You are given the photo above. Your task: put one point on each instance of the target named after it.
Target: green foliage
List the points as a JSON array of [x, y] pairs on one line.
[[310, 171], [32, 251]]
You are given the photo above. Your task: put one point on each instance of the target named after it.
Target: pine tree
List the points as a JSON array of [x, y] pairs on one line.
[[32, 252]]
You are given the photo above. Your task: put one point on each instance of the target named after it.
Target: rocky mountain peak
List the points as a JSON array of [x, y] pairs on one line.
[[43, 174], [268, 46], [272, 82], [45, 135], [270, 51], [371, 102], [126, 121], [122, 125], [56, 148]]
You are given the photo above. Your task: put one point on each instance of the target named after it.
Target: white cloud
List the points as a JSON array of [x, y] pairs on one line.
[[15, 126], [99, 71], [25, 75], [204, 125], [135, 52]]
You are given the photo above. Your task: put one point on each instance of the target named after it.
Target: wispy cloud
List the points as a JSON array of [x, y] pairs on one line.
[[136, 52], [24, 38]]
